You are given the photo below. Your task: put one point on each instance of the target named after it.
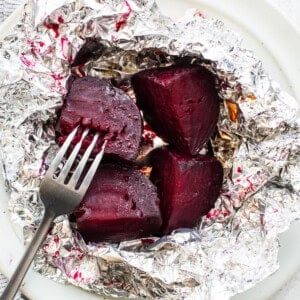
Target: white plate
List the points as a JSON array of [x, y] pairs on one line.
[[277, 43]]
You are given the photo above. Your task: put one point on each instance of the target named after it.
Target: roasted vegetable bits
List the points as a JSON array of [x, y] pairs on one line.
[[182, 105]]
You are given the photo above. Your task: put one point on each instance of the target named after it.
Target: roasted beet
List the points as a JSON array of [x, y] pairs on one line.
[[121, 204], [95, 103], [187, 186], [181, 104], [92, 49]]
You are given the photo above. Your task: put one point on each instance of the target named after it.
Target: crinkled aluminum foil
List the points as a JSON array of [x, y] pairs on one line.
[[258, 142]]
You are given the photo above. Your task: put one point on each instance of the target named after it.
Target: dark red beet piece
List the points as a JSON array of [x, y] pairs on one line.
[[187, 186], [95, 103], [92, 49], [180, 103], [120, 204]]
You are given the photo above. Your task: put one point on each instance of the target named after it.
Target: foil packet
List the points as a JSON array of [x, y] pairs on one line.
[[258, 142]]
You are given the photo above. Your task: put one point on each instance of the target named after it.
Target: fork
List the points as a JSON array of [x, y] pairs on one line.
[[60, 195]]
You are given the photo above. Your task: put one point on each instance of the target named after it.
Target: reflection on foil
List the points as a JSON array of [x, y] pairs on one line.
[[258, 141]]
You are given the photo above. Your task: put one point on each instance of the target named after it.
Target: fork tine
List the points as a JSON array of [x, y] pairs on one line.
[[77, 173], [62, 151], [92, 170], [69, 163]]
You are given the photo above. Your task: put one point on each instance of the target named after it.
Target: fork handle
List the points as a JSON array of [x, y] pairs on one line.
[[20, 272]]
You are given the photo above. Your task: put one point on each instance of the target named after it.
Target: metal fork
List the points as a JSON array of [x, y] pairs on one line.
[[59, 197]]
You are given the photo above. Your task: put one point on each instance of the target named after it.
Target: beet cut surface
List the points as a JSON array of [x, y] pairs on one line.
[[180, 103], [121, 204], [95, 103], [187, 186]]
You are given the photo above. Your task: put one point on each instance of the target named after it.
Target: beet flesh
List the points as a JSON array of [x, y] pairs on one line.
[[187, 186], [180, 103], [120, 204], [95, 103]]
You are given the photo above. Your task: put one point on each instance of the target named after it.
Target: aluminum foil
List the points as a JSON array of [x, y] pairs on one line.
[[258, 141]]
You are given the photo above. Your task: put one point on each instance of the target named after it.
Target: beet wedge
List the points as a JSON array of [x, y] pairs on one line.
[[95, 103], [187, 186], [120, 204], [180, 103]]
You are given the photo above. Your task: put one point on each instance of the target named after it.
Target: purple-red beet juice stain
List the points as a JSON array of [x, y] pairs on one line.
[[35, 49], [213, 213], [198, 13], [65, 46], [224, 86], [77, 275], [239, 170], [123, 19], [54, 27], [251, 185], [225, 213], [57, 80], [26, 61], [148, 136], [60, 19], [147, 242], [57, 77]]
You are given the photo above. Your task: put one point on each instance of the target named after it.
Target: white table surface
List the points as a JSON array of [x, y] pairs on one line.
[[290, 9]]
